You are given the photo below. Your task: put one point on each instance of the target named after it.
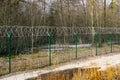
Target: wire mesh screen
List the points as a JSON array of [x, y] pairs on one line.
[[51, 46]]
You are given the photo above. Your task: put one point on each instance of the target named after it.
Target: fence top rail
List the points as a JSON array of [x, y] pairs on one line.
[[27, 31]]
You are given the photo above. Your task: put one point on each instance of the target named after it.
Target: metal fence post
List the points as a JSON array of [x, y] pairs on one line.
[[76, 40], [111, 36], [50, 55], [96, 42], [9, 50]]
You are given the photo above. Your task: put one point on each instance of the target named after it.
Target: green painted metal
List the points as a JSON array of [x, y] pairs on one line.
[[9, 50], [76, 41], [96, 42], [111, 36], [50, 54]]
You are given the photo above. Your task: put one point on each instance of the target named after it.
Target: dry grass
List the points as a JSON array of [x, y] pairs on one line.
[[24, 62], [111, 73]]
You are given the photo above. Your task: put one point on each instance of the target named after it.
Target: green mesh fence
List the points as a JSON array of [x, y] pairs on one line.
[[23, 53]]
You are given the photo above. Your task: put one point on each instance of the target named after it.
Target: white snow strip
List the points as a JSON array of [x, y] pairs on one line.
[[102, 62], [24, 76]]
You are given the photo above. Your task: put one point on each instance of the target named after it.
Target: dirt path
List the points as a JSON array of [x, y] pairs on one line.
[[100, 61]]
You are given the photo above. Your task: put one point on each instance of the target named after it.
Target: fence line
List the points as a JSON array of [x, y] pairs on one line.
[[100, 43]]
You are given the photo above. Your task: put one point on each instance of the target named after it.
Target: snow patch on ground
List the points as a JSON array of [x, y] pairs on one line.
[[102, 62]]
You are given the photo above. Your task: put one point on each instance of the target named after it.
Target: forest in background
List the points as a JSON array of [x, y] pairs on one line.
[[67, 13]]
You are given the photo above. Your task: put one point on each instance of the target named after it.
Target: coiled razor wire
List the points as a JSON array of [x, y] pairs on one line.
[[26, 31]]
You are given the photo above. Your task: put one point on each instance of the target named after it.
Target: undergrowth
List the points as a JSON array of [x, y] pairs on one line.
[[111, 73]]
